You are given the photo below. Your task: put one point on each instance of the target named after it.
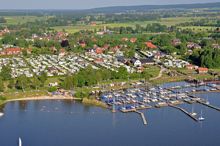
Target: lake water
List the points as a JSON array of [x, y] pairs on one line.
[[68, 123]]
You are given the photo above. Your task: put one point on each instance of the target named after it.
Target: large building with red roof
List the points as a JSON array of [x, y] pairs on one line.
[[150, 45]]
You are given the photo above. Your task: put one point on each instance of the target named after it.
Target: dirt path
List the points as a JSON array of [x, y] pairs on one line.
[[160, 74]]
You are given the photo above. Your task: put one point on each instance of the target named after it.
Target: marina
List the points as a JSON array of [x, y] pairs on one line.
[[173, 94], [75, 121]]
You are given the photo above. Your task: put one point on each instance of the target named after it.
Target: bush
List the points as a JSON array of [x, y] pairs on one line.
[[52, 89], [2, 98], [81, 94]]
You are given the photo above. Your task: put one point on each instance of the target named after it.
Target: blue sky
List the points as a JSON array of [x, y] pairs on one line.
[[85, 4]]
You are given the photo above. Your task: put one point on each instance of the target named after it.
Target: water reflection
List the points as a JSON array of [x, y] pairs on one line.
[[22, 105]]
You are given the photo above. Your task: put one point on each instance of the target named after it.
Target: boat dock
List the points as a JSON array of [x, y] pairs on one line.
[[142, 116], [140, 98], [201, 101], [184, 111], [209, 105]]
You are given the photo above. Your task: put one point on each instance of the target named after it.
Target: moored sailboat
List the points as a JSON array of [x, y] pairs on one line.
[[201, 118]]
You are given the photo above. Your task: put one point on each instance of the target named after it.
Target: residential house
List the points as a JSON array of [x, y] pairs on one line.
[[216, 46], [99, 50], [137, 63], [11, 51], [53, 84], [176, 42], [147, 61], [82, 44], [190, 67], [99, 60], [191, 45], [124, 39], [62, 52], [150, 45], [133, 40], [93, 23], [202, 70]]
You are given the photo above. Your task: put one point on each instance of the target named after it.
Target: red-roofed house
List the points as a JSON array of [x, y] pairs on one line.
[[29, 50], [176, 42], [93, 23], [133, 40], [11, 51], [202, 70], [62, 52], [124, 39], [82, 44], [190, 67], [150, 45], [99, 60], [99, 50]]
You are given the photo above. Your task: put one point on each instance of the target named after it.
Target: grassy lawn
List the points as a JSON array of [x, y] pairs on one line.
[[165, 79], [20, 94], [215, 70]]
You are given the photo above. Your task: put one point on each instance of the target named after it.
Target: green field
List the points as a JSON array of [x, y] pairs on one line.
[[163, 21], [22, 19], [199, 28]]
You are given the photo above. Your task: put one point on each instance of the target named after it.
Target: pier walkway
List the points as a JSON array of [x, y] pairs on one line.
[[209, 105], [142, 116], [184, 111], [203, 102]]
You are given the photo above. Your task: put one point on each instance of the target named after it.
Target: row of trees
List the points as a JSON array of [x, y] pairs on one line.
[[155, 27], [90, 76], [20, 83], [208, 57]]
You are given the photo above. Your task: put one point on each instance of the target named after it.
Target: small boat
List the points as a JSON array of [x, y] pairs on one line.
[[201, 118], [193, 113], [207, 101], [19, 142], [1, 114]]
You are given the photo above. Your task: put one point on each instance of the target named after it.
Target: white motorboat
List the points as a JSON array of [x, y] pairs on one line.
[[19, 142]]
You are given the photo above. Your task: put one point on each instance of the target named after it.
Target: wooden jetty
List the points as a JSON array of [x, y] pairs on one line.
[[184, 111], [142, 116]]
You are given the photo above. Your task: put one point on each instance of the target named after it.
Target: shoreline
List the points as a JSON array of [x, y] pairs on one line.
[[38, 98]]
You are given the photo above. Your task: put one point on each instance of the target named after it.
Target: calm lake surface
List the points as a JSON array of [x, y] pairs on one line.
[[68, 123]]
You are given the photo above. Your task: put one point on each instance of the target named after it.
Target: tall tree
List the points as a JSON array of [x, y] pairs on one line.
[[6, 73], [22, 82], [1, 85], [43, 78], [36, 83]]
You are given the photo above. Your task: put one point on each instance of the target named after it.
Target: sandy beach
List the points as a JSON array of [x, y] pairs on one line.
[[55, 97]]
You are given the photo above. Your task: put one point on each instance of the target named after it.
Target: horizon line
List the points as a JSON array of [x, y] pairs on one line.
[[83, 9]]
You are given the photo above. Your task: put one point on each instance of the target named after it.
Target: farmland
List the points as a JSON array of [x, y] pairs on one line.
[[163, 21], [13, 20]]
